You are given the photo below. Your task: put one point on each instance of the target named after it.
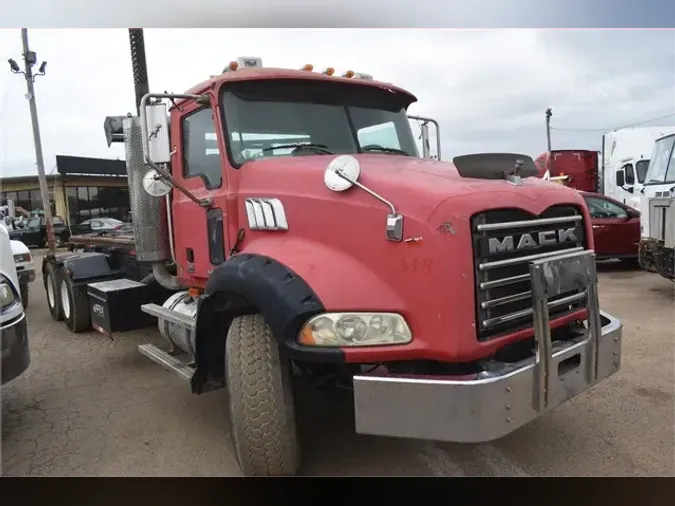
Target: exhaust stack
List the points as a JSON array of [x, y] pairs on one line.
[[151, 228]]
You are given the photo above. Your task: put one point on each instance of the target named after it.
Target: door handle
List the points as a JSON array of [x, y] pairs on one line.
[[598, 226]]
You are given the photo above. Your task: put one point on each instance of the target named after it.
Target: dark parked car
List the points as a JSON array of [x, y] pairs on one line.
[[34, 233], [616, 227], [96, 225]]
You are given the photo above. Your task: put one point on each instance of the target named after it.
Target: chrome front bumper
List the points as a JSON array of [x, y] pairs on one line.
[[507, 395]]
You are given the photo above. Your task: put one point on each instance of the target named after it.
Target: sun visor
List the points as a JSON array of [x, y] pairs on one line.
[[494, 165]]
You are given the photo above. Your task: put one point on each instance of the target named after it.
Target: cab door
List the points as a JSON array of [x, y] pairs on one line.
[[199, 233]]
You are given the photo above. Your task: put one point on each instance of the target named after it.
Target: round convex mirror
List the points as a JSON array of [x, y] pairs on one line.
[[155, 185], [348, 166]]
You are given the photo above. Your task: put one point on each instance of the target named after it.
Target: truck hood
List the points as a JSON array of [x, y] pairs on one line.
[[415, 186]]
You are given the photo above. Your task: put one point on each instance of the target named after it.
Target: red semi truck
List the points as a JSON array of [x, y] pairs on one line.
[[293, 233]]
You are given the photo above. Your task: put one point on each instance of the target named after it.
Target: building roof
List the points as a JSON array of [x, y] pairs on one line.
[[85, 166]]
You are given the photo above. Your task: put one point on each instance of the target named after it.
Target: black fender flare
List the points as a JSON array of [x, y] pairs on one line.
[[246, 284]]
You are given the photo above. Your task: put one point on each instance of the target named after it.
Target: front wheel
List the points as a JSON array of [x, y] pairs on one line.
[[262, 412]]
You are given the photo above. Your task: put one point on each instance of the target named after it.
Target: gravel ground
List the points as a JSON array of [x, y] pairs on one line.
[[94, 407]]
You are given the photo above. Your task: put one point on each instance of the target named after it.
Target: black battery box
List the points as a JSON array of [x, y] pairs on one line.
[[115, 305]]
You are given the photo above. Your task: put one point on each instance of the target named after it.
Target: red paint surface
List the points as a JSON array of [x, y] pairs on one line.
[[580, 165]]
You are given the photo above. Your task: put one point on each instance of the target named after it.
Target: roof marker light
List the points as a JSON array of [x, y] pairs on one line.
[[309, 67], [231, 67], [329, 71], [349, 74]]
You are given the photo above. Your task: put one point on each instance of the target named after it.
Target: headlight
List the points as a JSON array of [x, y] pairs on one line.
[[7, 296], [355, 329], [23, 257]]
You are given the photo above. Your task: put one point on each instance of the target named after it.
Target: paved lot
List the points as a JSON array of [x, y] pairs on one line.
[[91, 406]]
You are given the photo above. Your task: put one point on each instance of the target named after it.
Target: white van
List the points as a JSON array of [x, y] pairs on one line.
[[13, 331]]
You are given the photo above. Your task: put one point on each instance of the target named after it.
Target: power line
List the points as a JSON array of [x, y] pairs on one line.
[[615, 128]]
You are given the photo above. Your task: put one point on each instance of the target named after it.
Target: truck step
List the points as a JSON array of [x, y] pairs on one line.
[[171, 316], [167, 361]]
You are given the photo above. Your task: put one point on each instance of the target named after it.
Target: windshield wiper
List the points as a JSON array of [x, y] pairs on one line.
[[318, 148], [377, 147]]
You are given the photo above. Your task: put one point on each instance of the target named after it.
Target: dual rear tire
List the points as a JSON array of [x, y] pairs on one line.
[[66, 303]]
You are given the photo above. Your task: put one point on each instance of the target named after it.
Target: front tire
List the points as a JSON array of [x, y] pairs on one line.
[[74, 306], [262, 412]]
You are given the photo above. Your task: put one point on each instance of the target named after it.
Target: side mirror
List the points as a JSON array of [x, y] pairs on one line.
[[157, 147], [620, 178], [426, 141], [154, 185], [342, 173]]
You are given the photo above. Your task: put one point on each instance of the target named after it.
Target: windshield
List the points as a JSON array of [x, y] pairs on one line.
[[641, 169], [272, 118], [656, 173]]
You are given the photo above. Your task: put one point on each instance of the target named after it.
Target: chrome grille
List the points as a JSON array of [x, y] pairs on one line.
[[505, 241]]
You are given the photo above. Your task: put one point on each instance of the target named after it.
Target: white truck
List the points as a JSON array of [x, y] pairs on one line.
[[13, 330], [657, 220], [625, 159]]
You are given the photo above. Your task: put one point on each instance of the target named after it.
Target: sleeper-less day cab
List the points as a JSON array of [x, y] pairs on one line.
[[310, 240]]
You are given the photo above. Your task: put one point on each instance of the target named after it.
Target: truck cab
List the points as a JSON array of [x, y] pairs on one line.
[[302, 237], [625, 161], [657, 220]]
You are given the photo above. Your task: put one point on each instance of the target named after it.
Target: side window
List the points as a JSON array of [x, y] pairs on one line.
[[670, 171], [201, 157], [630, 173], [384, 135], [33, 224], [604, 209]]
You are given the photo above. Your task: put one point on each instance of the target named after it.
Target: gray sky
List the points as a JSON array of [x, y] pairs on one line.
[[487, 88]]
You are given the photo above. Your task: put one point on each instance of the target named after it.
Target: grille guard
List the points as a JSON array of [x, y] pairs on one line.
[[507, 395]]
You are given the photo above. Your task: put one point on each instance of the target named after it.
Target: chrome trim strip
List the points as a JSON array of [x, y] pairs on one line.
[[528, 258], [527, 312], [527, 223]]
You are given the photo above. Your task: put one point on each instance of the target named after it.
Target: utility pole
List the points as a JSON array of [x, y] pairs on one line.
[[549, 163], [29, 60]]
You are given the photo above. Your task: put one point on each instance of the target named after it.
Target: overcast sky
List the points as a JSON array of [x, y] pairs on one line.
[[488, 89]]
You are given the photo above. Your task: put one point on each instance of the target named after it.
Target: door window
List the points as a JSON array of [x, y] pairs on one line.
[[201, 156], [630, 174], [604, 209], [33, 224]]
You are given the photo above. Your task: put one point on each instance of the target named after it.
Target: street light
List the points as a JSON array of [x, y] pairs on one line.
[[29, 60]]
